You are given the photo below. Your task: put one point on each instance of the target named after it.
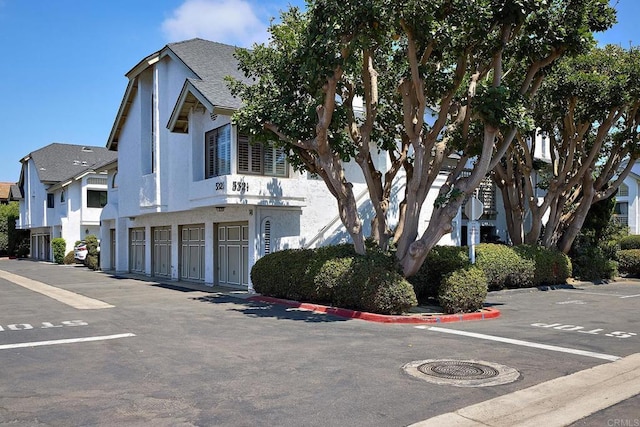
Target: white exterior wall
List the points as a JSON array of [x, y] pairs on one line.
[[300, 210], [34, 205], [632, 199]]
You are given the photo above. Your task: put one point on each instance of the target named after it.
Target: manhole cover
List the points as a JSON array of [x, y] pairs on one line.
[[462, 373], [458, 370]]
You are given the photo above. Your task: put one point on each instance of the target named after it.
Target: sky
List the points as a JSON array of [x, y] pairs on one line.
[[63, 61]]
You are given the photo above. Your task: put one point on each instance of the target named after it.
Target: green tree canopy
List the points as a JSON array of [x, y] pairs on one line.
[[588, 110], [350, 78]]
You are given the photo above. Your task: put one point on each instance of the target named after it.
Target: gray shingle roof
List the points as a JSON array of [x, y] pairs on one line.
[[57, 162], [211, 62], [16, 193]]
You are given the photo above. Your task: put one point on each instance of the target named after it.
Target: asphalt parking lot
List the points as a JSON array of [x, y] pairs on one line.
[[125, 351]]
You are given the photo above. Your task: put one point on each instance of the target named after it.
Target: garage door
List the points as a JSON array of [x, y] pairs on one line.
[[162, 251], [233, 254], [136, 250], [192, 252]]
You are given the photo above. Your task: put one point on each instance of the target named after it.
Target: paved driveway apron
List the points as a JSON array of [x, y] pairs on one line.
[[192, 356]]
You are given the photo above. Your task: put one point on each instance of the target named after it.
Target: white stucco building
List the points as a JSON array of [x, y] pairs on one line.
[[189, 198], [61, 195], [627, 208]]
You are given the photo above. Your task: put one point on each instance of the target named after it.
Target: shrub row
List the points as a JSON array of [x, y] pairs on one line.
[[630, 242], [552, 267], [629, 261], [503, 266], [335, 275]]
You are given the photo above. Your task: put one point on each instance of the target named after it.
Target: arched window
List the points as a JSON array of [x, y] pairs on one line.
[[114, 180]]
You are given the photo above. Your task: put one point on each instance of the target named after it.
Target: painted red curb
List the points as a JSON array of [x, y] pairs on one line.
[[486, 313]]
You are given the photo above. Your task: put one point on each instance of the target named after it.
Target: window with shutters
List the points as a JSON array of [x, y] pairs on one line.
[[261, 159], [249, 157], [218, 151]]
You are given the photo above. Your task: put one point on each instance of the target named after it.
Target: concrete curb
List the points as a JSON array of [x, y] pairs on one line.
[[484, 314], [557, 402]]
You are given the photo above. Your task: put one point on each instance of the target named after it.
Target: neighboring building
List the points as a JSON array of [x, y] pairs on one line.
[[5, 192], [61, 195], [627, 208]]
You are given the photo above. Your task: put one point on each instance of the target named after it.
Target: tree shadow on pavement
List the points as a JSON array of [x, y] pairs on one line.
[[257, 309]]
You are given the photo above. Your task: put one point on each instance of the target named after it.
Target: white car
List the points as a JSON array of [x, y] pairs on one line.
[[80, 251]]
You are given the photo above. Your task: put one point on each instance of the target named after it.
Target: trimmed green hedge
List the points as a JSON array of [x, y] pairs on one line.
[[92, 260], [441, 261], [335, 275], [69, 258], [281, 274], [59, 246], [629, 261], [372, 283], [552, 267], [463, 291], [503, 267], [592, 263], [630, 242]]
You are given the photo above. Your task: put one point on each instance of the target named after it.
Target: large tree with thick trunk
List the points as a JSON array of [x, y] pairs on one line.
[[588, 110], [350, 78]]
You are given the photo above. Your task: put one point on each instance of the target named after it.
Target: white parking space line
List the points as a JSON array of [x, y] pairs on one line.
[[67, 297], [589, 293], [64, 341], [524, 343], [597, 293]]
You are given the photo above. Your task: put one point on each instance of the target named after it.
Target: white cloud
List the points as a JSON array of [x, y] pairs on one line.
[[226, 21]]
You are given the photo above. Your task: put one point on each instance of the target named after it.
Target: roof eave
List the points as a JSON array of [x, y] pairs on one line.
[[123, 111], [189, 97], [107, 166], [127, 99]]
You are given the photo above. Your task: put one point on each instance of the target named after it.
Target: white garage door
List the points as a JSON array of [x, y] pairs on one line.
[[192, 252], [161, 251], [136, 250], [233, 254]]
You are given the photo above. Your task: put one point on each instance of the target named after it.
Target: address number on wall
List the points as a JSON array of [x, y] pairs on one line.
[[239, 186]]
